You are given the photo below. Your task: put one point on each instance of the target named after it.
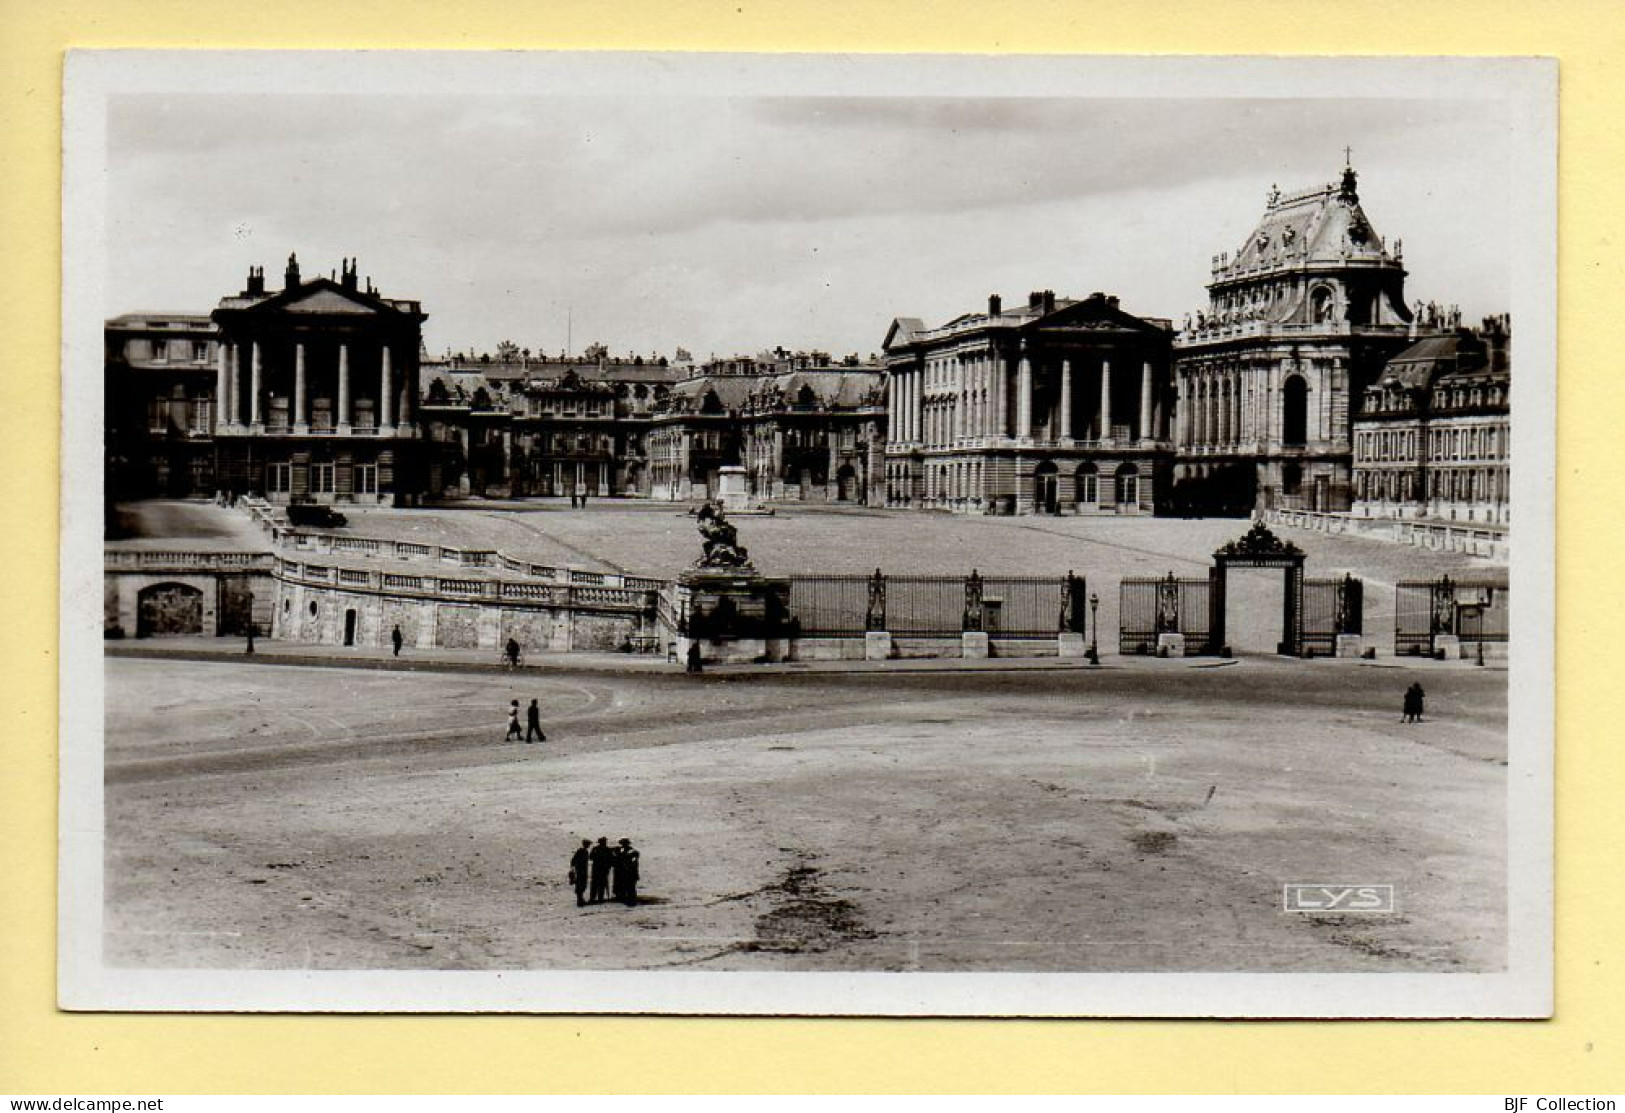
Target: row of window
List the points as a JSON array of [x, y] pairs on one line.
[[1453, 485], [1478, 442], [323, 478], [171, 351]]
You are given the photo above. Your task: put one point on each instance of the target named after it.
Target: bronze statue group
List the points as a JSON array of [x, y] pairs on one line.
[[603, 872]]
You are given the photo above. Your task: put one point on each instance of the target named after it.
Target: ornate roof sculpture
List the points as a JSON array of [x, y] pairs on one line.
[[1319, 233], [1259, 541]]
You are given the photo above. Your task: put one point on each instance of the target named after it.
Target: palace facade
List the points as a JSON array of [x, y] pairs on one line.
[[1055, 407], [159, 394], [543, 427], [1300, 320], [317, 385], [1433, 436], [806, 432]]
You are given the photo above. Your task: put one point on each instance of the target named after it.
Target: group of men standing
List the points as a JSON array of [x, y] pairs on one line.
[[601, 870]]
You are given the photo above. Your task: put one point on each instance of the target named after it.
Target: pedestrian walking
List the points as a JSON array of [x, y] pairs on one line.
[[601, 858], [580, 863], [533, 723], [514, 733], [626, 873], [693, 656], [250, 647], [511, 652], [396, 639]]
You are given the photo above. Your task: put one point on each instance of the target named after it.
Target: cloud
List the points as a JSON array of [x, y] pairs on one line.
[[725, 224]]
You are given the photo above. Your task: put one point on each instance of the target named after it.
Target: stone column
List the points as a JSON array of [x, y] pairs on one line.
[[220, 381], [961, 400], [1001, 398], [301, 404], [344, 389], [1106, 401], [256, 419], [1066, 400], [408, 393], [386, 393], [1146, 432], [1024, 397]]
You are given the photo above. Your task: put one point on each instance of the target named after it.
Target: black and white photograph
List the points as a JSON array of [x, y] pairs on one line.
[[747, 534]]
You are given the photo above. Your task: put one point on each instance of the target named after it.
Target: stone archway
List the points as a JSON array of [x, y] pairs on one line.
[[168, 610]]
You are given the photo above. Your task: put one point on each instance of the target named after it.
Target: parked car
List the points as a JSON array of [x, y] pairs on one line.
[[314, 516]]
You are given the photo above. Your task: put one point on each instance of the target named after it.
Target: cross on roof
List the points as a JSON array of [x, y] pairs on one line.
[[1348, 156]]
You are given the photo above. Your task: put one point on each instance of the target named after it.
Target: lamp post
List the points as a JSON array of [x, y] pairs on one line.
[[1094, 628], [250, 647]]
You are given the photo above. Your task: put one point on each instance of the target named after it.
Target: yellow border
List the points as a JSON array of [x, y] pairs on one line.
[[45, 1052]]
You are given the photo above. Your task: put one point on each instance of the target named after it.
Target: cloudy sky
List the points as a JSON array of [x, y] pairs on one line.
[[734, 224]]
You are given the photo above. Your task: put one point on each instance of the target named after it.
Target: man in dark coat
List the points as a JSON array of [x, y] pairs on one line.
[[1413, 703], [396, 639], [579, 865], [626, 873], [533, 723], [601, 858]]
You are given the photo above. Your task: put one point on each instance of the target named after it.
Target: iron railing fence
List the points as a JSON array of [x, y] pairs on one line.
[[1330, 608], [1474, 609], [1147, 606], [833, 605]]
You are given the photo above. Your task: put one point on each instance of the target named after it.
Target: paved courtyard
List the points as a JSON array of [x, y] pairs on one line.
[[1135, 818]]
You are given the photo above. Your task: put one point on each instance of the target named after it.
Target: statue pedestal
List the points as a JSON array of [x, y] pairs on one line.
[[732, 490], [1447, 646], [876, 645], [737, 615], [1170, 645], [973, 644], [1350, 645], [1069, 643]]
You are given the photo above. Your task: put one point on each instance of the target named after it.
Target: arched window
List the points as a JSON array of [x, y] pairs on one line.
[[1294, 411], [1088, 485], [1321, 302], [1128, 485]]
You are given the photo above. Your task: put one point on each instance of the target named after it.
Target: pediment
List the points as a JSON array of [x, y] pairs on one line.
[[325, 300], [1091, 314]]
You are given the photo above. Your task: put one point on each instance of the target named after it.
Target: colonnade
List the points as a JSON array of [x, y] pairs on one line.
[[230, 391], [967, 396], [1222, 409]]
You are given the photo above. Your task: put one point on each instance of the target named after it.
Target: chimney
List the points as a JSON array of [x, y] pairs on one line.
[[1049, 301], [348, 274], [290, 277], [256, 282], [1035, 300], [995, 305]]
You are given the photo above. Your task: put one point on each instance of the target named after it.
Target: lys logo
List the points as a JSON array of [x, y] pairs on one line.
[[1302, 897]]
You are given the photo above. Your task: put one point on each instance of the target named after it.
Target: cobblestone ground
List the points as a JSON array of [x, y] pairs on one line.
[[1125, 819]]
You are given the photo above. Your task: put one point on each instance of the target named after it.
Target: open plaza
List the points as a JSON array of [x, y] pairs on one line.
[[331, 806]]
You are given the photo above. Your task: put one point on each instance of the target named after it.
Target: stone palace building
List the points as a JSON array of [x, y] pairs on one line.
[[1432, 440], [1301, 318], [1056, 406], [1306, 385]]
